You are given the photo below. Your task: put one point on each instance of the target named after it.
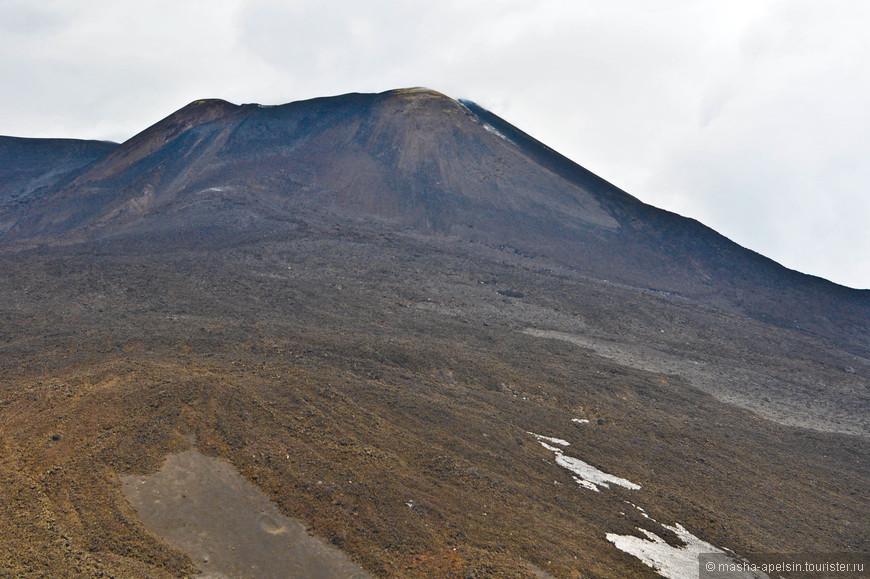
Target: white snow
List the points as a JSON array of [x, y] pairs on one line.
[[495, 132], [586, 475], [589, 475], [586, 484], [671, 562], [558, 441], [642, 512], [668, 561], [550, 448]]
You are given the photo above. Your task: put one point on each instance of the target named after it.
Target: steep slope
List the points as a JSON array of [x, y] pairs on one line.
[[416, 157], [419, 159], [27, 165], [442, 347], [380, 386]]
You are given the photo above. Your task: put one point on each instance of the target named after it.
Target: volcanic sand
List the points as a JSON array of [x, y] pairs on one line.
[[229, 528]]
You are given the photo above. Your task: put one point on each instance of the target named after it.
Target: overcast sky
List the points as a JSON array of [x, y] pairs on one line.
[[750, 116]]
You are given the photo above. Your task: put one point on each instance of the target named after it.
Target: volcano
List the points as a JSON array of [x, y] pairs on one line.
[[442, 347]]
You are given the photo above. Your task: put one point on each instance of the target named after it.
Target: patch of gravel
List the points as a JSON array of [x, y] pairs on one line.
[[228, 527]]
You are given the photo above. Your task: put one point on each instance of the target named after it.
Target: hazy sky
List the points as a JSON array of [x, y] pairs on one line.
[[750, 116]]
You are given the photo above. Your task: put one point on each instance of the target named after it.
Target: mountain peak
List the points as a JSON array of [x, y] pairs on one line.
[[211, 103], [196, 113], [417, 91], [436, 339], [417, 160]]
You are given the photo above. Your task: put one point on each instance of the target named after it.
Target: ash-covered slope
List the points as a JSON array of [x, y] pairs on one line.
[[420, 160], [442, 347], [28, 165]]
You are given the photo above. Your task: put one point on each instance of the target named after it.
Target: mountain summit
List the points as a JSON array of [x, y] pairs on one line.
[[392, 334], [423, 161]]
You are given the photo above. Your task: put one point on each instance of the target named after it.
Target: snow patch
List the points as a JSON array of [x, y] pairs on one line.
[[642, 512], [550, 448], [495, 132], [558, 441], [668, 561], [589, 475], [580, 420], [586, 484], [585, 475]]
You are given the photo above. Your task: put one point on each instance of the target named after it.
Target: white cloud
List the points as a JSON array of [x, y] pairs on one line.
[[779, 159]]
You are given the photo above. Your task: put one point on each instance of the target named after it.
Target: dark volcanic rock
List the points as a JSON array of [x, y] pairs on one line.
[[30, 165], [418, 159], [367, 304]]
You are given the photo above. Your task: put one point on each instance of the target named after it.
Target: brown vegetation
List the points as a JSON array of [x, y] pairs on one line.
[[377, 383]]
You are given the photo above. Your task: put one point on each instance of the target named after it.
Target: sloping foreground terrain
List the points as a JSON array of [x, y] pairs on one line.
[[443, 348]]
